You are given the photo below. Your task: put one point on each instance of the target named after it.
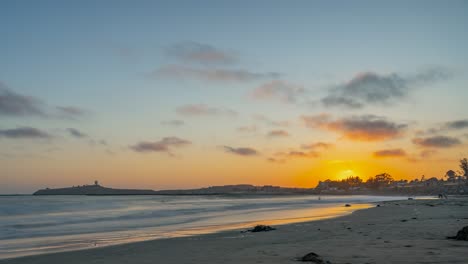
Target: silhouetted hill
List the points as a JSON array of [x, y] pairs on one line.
[[92, 190], [227, 189]]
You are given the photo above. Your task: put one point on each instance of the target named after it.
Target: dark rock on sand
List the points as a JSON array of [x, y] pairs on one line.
[[314, 258], [347, 205], [261, 228], [461, 235]]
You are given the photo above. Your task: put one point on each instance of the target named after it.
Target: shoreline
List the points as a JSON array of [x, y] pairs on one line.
[[385, 234], [320, 214]]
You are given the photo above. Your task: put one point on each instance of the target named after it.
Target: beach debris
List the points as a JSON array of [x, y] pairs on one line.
[[314, 258], [461, 235], [442, 196], [261, 228], [347, 205]]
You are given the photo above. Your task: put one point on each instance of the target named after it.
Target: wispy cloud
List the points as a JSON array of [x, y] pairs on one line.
[[164, 145], [278, 133], [15, 104], [457, 124], [445, 127], [191, 51], [298, 154], [358, 128], [76, 133], [242, 151], [373, 88], [175, 122], [211, 74], [309, 152], [70, 112], [278, 90], [204, 110], [437, 142], [24, 132], [317, 145], [390, 153]]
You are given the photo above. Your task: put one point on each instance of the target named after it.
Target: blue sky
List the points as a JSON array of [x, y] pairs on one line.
[[112, 61]]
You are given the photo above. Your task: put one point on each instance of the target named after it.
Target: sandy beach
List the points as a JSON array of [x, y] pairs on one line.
[[412, 231]]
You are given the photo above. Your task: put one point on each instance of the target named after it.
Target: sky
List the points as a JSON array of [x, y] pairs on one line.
[[187, 94]]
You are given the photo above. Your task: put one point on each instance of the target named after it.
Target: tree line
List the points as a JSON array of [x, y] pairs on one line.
[[385, 180]]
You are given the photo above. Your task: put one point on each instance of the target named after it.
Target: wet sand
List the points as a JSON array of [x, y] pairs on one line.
[[412, 231]]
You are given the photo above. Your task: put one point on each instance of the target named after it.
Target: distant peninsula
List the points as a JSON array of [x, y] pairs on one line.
[[97, 189], [94, 189], [382, 184]]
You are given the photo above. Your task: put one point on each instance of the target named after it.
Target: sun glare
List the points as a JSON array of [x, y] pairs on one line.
[[345, 174]]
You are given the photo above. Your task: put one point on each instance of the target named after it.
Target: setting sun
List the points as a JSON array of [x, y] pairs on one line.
[[346, 174]]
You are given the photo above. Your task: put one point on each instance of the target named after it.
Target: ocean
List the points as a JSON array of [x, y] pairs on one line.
[[41, 224]]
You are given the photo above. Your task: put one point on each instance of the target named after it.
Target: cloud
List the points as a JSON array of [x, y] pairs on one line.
[[457, 124], [299, 154], [15, 104], [204, 110], [216, 75], [243, 151], [437, 142], [280, 90], [444, 127], [335, 100], [317, 145], [390, 153], [278, 133], [191, 51], [284, 156], [164, 145], [70, 112], [175, 123], [372, 88], [24, 132], [76, 133], [276, 160], [358, 128]]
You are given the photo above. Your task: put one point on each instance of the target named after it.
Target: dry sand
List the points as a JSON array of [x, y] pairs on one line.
[[412, 231]]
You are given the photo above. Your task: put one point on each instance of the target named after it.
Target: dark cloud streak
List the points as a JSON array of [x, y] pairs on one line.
[[242, 151], [376, 89], [358, 128], [76, 133], [389, 153], [24, 132], [15, 104], [437, 142], [164, 145]]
